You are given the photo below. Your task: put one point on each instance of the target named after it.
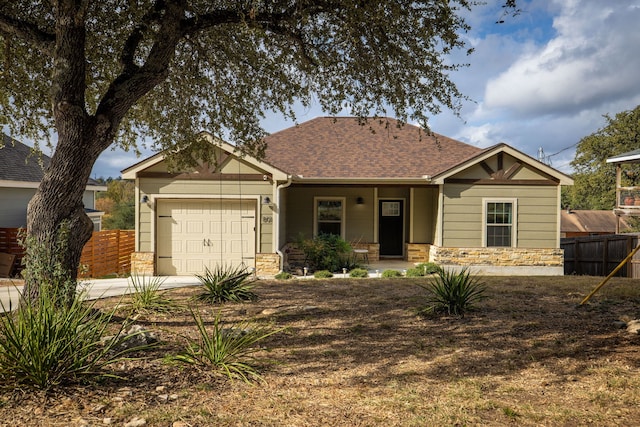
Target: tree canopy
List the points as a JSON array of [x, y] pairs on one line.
[[99, 73], [594, 179]]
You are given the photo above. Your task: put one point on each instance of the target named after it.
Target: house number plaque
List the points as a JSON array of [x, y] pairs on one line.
[[267, 219]]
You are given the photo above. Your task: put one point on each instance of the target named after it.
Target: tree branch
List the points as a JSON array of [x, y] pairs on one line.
[[28, 32]]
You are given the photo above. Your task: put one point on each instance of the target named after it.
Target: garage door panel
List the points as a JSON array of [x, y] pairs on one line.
[[194, 235]]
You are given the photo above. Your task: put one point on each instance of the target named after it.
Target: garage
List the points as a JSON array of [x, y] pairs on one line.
[[193, 235]]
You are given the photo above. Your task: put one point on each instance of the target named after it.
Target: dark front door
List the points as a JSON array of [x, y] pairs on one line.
[[391, 221]]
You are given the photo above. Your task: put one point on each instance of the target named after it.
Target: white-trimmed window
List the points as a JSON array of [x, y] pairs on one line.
[[500, 222], [329, 215]]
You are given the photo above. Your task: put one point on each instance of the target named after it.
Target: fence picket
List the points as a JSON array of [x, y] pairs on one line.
[[108, 252]]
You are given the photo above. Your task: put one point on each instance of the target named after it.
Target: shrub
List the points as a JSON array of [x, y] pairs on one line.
[[227, 283], [147, 296], [359, 272], [323, 274], [428, 267], [228, 350], [391, 273], [453, 292], [326, 252], [283, 275], [44, 344], [415, 272]]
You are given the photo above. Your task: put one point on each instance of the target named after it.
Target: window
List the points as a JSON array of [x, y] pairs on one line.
[[500, 222], [329, 216]]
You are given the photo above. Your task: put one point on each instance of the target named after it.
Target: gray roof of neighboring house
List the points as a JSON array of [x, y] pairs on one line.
[[18, 162], [631, 157]]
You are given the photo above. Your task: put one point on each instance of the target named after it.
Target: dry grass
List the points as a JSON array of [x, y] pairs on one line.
[[356, 354]]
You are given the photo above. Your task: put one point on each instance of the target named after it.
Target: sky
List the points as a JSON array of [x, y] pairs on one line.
[[541, 80]]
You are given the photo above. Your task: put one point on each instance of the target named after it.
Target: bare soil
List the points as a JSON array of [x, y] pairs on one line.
[[355, 353]]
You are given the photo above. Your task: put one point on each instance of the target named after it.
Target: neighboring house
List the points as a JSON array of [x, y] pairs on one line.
[[398, 192], [20, 174], [579, 223]]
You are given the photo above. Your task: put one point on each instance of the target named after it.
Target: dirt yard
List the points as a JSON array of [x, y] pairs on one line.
[[354, 353]]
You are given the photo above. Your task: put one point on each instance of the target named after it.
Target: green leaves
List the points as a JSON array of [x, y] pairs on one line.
[[229, 350], [453, 292], [595, 180], [226, 283]]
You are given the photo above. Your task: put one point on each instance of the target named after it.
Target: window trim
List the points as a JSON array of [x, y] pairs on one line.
[[514, 222], [343, 219]]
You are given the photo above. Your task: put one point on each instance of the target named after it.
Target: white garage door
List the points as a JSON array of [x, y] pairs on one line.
[[196, 234]]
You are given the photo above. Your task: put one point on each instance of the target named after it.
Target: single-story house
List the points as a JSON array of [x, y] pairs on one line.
[[580, 223], [394, 191], [21, 171]]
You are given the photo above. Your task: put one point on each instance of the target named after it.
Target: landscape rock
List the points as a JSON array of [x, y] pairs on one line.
[[136, 422], [633, 326]]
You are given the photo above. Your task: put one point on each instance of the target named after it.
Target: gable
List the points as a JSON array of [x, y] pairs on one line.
[[502, 164]]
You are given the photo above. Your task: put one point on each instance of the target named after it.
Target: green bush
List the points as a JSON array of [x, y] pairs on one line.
[[359, 272], [391, 273], [283, 275], [326, 252], [415, 272], [147, 296], [227, 283], [44, 344], [429, 267], [453, 293], [323, 274], [228, 350]]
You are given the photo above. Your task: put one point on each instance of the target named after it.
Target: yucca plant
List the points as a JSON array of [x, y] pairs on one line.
[[147, 295], [229, 350], [227, 283], [44, 344], [453, 292]]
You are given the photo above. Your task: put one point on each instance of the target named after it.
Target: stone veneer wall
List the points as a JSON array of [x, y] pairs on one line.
[[267, 264], [373, 248], [417, 252], [502, 257], [142, 263]]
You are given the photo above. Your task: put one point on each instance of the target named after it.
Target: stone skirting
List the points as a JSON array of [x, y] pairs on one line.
[[373, 248], [143, 263], [498, 257], [267, 264], [417, 252]]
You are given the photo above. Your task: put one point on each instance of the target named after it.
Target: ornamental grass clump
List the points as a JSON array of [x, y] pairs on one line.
[[44, 344], [147, 296], [453, 292], [389, 274], [228, 350], [227, 283]]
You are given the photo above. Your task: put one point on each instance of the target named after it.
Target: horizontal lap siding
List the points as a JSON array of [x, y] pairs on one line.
[[537, 214], [204, 189]]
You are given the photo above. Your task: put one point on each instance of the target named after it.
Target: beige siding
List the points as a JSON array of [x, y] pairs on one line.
[[170, 188], [537, 214], [300, 211], [424, 206]]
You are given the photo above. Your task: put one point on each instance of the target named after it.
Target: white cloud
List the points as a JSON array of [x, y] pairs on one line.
[[592, 60]]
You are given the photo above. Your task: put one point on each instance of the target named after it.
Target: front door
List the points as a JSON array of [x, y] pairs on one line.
[[391, 227]]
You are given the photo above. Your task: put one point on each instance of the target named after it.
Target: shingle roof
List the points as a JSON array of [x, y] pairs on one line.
[[344, 147], [591, 221], [18, 163]]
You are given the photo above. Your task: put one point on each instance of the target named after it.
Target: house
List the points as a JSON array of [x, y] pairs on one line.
[[579, 223], [20, 174], [394, 191]]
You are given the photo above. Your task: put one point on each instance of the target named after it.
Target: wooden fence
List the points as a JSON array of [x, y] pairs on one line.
[[108, 252], [599, 255]]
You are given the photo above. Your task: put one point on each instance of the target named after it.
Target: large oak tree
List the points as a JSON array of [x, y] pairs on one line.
[[92, 74]]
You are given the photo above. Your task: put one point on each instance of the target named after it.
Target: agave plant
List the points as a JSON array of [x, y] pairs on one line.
[[453, 292], [226, 283]]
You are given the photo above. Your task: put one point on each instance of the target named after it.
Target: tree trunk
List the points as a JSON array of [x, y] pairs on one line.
[[57, 226]]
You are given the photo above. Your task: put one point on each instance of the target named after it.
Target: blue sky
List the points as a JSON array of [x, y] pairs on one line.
[[543, 79]]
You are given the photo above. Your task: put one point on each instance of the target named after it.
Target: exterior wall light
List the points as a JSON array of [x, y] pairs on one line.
[[360, 201]]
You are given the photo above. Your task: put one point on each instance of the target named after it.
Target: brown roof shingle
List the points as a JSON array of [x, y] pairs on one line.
[[344, 147]]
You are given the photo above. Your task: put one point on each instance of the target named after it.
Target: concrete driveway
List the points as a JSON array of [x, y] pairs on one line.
[[98, 288]]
